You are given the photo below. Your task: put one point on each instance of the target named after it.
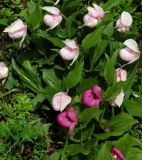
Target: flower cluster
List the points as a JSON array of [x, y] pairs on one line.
[[91, 97]]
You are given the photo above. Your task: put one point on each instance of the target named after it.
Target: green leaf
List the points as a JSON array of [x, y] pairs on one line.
[[102, 43], [105, 152], [55, 40], [109, 71], [74, 76], [113, 90], [35, 15], [127, 140], [74, 149], [69, 22], [92, 39], [51, 79], [29, 79], [83, 133], [88, 114], [134, 153], [133, 107], [117, 125], [111, 3]]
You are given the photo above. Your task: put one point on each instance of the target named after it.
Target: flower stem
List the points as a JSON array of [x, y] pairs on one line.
[[64, 149]]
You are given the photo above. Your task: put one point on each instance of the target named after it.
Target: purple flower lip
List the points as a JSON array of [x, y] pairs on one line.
[[117, 154], [68, 119], [92, 97]]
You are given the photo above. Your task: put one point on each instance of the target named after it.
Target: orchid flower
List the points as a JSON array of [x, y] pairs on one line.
[[60, 101], [17, 30], [3, 71], [131, 52], [70, 51], [124, 23], [118, 100], [92, 97], [117, 154], [53, 18], [68, 119], [94, 16], [121, 75]]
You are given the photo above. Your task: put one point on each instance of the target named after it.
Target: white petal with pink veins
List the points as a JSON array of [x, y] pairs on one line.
[[126, 19], [18, 24], [99, 10], [52, 10], [65, 100], [132, 44], [70, 43], [119, 99], [60, 101], [90, 21]]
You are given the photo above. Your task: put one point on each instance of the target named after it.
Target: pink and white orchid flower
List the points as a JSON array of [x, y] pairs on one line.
[[17, 30], [70, 51], [60, 101], [3, 71], [54, 17], [68, 119], [131, 52], [124, 23], [118, 100], [121, 75], [94, 16]]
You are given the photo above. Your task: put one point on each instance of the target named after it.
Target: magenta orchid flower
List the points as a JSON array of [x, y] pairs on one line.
[[121, 75], [117, 154], [124, 23], [131, 52], [92, 97], [17, 30], [60, 101], [68, 119], [70, 51], [94, 16], [53, 18]]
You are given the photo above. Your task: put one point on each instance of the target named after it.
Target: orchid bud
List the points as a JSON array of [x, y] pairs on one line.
[[121, 75], [118, 100], [3, 71], [54, 17], [94, 16], [68, 119], [131, 52], [92, 97], [60, 101], [124, 23], [70, 51], [17, 30], [117, 154]]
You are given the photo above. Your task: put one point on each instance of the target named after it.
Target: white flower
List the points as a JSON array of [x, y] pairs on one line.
[[131, 52], [3, 71], [124, 23], [17, 30], [118, 100], [121, 75], [60, 101], [94, 16], [70, 51], [54, 17]]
